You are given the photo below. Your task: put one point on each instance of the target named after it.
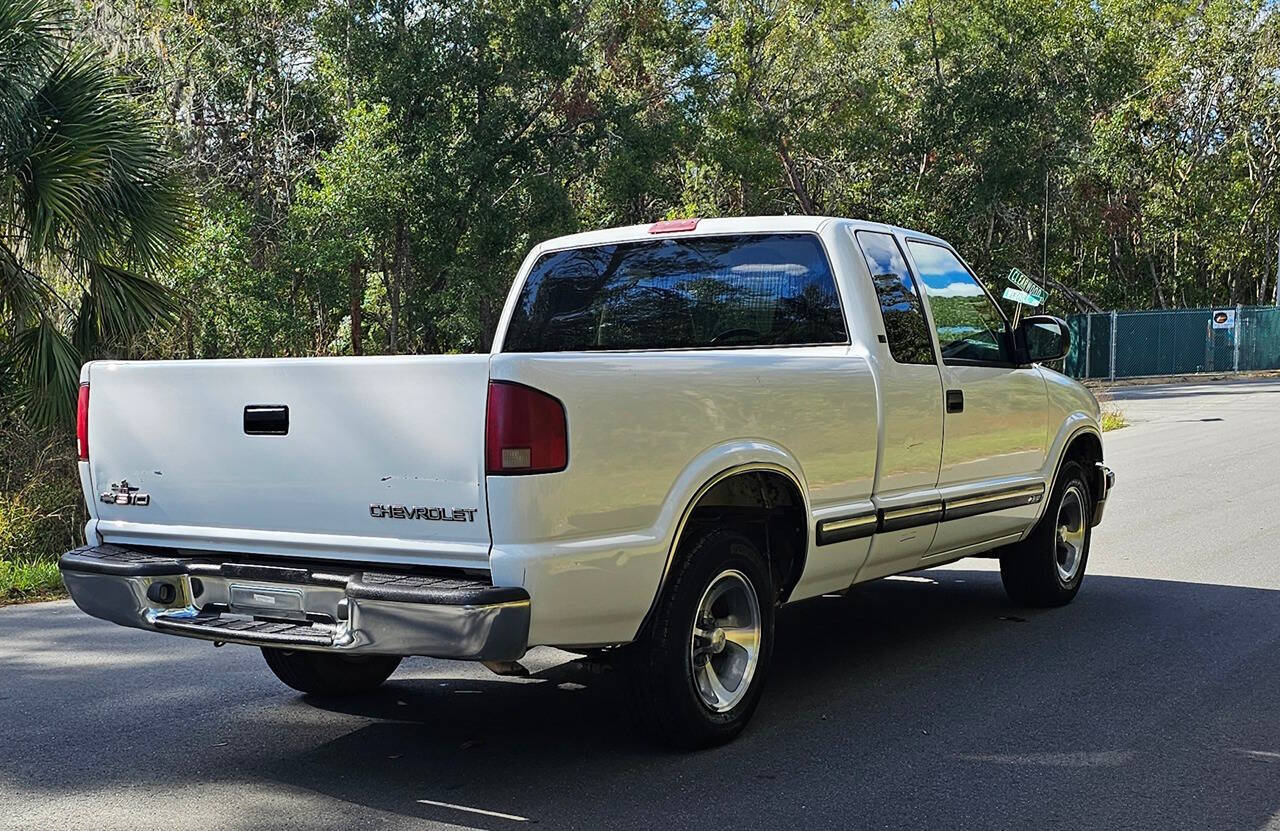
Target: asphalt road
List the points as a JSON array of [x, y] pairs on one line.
[[928, 702]]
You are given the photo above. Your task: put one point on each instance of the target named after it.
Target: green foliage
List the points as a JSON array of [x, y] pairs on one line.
[[88, 204], [41, 512], [371, 174], [229, 307], [1113, 419], [25, 580]]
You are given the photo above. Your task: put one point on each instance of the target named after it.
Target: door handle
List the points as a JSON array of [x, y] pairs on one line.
[[955, 401], [266, 420]]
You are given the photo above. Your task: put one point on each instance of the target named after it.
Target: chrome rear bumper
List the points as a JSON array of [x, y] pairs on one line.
[[322, 608]]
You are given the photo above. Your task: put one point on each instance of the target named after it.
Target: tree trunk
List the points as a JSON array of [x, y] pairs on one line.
[[1155, 281], [487, 324], [394, 277], [356, 287], [933, 38], [793, 178]]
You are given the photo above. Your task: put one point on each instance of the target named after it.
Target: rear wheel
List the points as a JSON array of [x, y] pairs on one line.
[[1047, 568], [698, 671], [320, 673]]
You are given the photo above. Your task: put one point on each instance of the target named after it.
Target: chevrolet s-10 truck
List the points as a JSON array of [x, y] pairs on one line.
[[679, 428]]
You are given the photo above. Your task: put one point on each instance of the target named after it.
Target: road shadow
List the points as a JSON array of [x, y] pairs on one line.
[[925, 702]]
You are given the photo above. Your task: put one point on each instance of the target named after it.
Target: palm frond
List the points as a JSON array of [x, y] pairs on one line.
[[32, 33], [94, 178], [124, 303], [89, 203], [47, 365], [22, 295]]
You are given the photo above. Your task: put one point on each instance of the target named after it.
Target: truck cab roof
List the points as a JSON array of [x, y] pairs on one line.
[[721, 225]]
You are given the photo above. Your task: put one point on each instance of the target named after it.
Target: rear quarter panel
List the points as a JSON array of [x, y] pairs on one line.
[[646, 430]]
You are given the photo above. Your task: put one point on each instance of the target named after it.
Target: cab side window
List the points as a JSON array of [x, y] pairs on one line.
[[900, 305], [969, 325]]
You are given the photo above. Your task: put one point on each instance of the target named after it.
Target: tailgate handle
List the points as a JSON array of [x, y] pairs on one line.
[[266, 420]]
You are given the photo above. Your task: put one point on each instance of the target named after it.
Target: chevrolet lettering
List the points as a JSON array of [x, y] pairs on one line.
[[417, 512], [679, 428]]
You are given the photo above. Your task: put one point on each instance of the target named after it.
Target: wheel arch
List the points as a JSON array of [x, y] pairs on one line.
[[1083, 444], [737, 476]]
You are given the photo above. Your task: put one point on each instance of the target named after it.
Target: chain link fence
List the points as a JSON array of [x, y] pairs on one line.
[[1174, 342]]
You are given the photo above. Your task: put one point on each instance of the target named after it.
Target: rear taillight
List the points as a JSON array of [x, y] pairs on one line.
[[82, 423], [525, 431]]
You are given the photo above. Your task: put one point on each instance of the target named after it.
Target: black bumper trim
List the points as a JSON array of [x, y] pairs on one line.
[[438, 591], [120, 561]]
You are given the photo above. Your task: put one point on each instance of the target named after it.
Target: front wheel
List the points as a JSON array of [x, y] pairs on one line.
[[320, 673], [698, 671], [1047, 568]]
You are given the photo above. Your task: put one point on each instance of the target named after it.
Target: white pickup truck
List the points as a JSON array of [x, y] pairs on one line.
[[680, 427]]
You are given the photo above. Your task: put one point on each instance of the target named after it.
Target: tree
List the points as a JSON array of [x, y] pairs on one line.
[[88, 206], [340, 225]]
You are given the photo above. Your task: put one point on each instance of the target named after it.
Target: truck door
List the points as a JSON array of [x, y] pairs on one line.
[[911, 396], [995, 431]]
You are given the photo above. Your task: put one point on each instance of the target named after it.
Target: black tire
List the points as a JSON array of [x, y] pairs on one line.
[[662, 673], [1030, 570], [319, 673]]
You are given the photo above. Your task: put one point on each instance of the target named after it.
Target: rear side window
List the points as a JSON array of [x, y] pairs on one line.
[[668, 293], [900, 305]]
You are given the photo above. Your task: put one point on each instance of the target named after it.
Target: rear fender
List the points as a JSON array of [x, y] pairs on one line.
[[708, 470], [598, 591]]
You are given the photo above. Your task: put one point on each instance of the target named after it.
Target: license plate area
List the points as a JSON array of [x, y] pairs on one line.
[[265, 599]]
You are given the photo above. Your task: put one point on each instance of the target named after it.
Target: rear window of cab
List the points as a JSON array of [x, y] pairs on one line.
[[679, 293]]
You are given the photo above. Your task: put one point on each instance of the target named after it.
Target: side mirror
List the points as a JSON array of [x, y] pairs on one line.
[[1043, 338]]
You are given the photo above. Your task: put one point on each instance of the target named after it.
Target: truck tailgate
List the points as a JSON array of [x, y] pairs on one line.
[[382, 459]]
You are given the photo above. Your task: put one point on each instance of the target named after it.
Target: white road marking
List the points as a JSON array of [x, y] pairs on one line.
[[1260, 755], [1075, 759], [497, 814]]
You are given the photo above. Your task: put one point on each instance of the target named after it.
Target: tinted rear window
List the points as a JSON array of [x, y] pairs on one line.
[[666, 293]]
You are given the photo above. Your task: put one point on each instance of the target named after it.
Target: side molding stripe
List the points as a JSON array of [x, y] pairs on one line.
[[857, 526], [995, 501], [896, 519], [846, 528]]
